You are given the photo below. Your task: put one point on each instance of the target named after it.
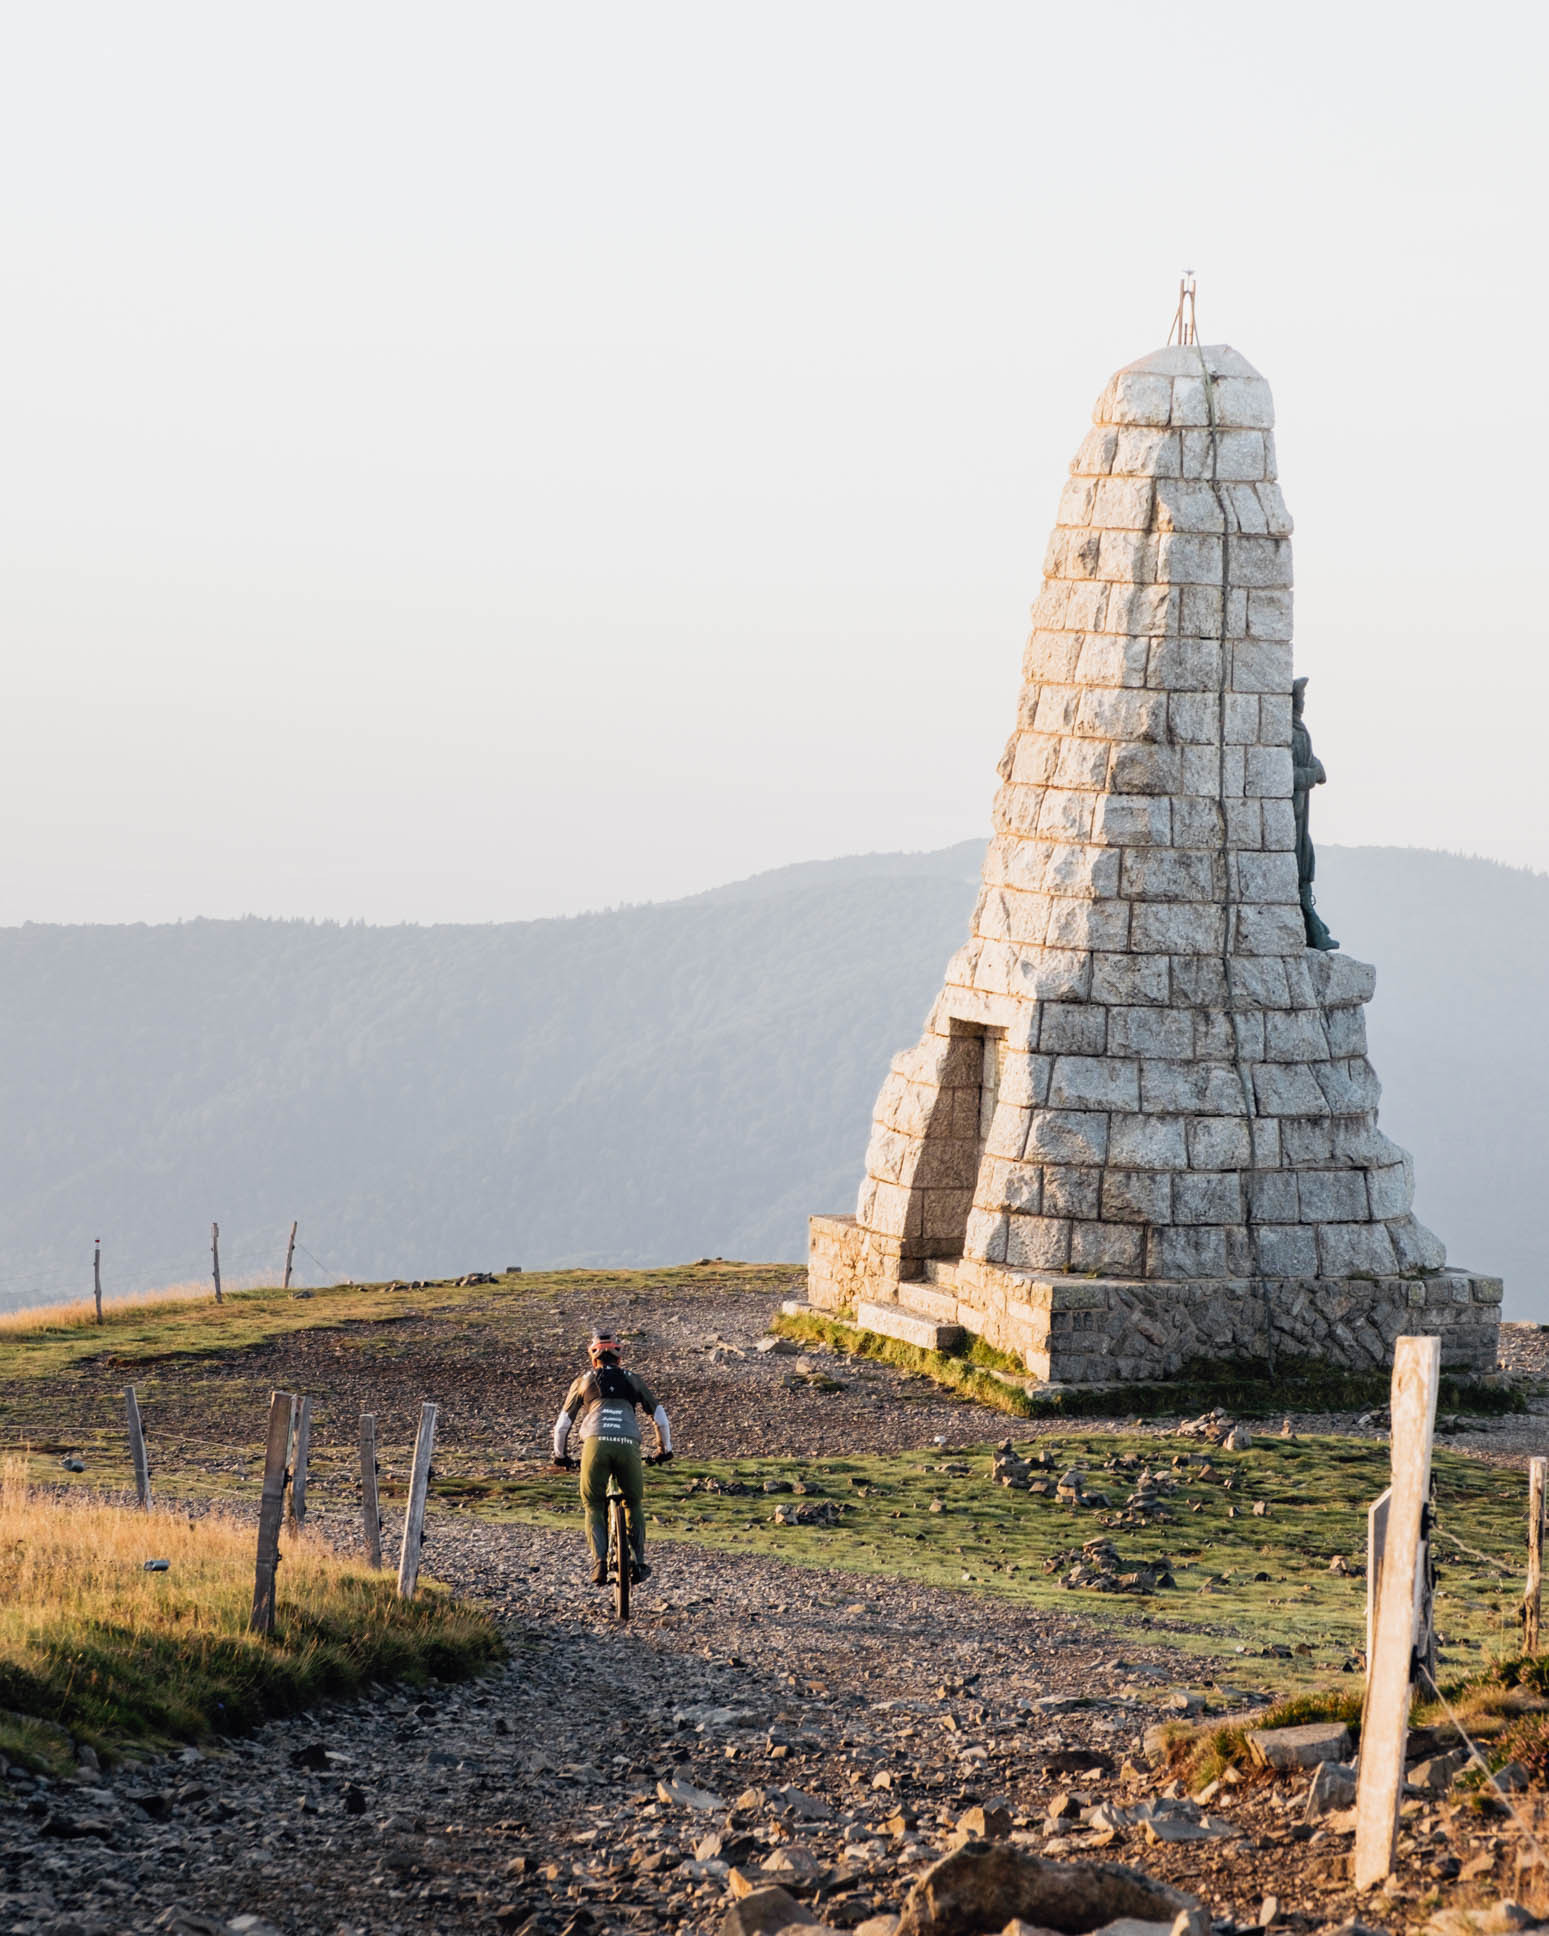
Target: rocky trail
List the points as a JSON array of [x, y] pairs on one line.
[[759, 1724], [755, 1724]]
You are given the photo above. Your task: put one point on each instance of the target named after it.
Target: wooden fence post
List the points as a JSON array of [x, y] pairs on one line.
[[142, 1466], [300, 1447], [290, 1256], [1390, 1667], [370, 1506], [96, 1275], [1532, 1602], [1376, 1546], [215, 1258], [271, 1511], [414, 1514]]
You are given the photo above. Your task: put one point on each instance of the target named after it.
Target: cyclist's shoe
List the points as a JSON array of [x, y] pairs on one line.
[[600, 1573], [641, 1570]]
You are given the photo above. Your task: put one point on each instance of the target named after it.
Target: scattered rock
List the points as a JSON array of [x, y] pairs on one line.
[[985, 1824], [805, 1807], [1332, 1787], [1436, 1774], [1288, 1749], [1499, 1919], [683, 1794], [825, 1512], [764, 1912], [983, 1885]]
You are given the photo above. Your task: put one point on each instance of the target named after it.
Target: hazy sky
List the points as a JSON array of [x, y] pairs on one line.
[[476, 461]]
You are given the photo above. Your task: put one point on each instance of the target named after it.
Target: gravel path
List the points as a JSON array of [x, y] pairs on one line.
[[843, 1723], [850, 1722]]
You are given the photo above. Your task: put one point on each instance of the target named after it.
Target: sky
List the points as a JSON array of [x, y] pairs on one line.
[[475, 462]]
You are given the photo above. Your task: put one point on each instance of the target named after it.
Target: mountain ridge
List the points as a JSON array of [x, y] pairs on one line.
[[636, 1085]]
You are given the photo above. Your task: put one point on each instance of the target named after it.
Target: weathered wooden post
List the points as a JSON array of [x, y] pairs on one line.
[[290, 1255], [1390, 1666], [370, 1506], [96, 1275], [300, 1447], [271, 1512], [414, 1515], [1531, 1604], [215, 1258], [142, 1465], [1376, 1545]]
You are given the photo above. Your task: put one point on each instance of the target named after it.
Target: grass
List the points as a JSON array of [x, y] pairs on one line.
[[1201, 1755], [1247, 1389], [1259, 1585], [82, 1313], [36, 1344], [95, 1650], [970, 1374]]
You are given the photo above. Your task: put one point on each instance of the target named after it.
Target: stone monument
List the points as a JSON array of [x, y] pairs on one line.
[[1140, 1127]]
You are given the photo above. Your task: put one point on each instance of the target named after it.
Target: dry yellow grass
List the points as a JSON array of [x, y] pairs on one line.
[[95, 1648], [81, 1314]]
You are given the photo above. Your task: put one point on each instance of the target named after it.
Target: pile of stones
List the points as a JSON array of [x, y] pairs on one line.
[[820, 1512], [1220, 1428], [1147, 1505], [1008, 1468], [1098, 1567]]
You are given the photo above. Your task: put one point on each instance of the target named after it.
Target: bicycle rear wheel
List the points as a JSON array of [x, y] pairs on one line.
[[623, 1556]]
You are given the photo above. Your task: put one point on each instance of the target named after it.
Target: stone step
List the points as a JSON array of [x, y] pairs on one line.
[[940, 1271], [909, 1326], [931, 1300]]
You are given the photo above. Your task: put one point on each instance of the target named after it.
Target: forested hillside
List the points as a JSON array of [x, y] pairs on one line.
[[639, 1086]]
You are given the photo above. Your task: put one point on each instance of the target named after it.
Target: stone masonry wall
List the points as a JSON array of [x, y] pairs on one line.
[[1086, 1330], [1181, 1090]]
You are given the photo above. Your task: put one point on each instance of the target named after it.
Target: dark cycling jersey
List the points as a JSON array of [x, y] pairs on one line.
[[602, 1405]]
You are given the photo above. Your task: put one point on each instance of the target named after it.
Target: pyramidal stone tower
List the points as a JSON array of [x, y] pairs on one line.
[[1140, 1126]]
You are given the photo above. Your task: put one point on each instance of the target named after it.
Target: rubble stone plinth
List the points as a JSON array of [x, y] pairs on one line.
[[1141, 1126]]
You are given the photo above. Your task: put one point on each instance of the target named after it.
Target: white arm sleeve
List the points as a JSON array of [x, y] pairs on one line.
[[561, 1434], [663, 1429]]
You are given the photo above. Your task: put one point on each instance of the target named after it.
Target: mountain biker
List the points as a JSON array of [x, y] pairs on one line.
[[602, 1404]]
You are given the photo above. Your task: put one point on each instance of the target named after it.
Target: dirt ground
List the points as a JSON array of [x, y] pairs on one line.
[[498, 1369], [838, 1723]]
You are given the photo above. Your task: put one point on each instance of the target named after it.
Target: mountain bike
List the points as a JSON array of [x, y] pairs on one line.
[[621, 1553]]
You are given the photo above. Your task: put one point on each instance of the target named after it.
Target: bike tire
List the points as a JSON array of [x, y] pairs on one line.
[[622, 1553]]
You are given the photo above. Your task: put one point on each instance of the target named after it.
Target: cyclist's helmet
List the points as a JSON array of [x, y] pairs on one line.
[[604, 1348]]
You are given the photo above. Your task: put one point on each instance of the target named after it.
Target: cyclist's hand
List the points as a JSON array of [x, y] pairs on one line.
[[564, 1465], [662, 1457]]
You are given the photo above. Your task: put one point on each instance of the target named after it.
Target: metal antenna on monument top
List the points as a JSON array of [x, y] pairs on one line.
[[1184, 329]]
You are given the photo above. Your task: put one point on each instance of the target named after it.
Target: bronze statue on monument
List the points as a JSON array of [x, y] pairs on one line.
[[1306, 773]]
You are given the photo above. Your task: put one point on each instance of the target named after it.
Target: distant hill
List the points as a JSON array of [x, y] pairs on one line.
[[639, 1086]]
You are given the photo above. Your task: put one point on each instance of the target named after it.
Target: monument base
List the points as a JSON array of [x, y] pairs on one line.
[[1106, 1330]]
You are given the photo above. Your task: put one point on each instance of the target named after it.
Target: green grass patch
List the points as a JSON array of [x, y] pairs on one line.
[[1260, 1584], [969, 1374], [95, 1649], [1200, 1755], [1247, 1388]]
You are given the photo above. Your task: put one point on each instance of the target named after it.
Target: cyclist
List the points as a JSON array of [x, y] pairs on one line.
[[602, 1404]]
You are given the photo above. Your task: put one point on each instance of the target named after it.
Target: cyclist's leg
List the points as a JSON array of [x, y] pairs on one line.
[[595, 1467], [631, 1478]]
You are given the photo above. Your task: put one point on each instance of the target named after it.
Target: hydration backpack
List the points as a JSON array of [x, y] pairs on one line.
[[613, 1382]]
